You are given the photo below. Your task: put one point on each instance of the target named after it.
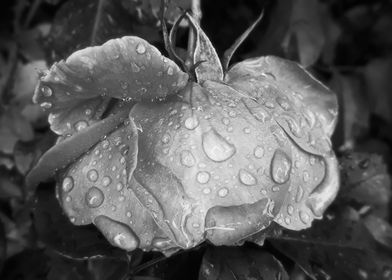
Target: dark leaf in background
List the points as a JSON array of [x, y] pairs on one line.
[[339, 247], [225, 263], [80, 24], [3, 244], [59, 234], [27, 265], [380, 229]]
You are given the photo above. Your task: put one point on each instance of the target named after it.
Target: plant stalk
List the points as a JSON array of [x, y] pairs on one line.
[[196, 13]]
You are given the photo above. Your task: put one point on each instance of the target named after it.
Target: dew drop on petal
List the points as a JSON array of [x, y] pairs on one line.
[[46, 91], [94, 197], [166, 138], [140, 48], [216, 147], [258, 152], [121, 198], [283, 103], [304, 217], [280, 167], [105, 144], [246, 178], [106, 181], [203, 177], [170, 71], [206, 190], [92, 175], [80, 125], [223, 192], [46, 105], [68, 184], [306, 176], [290, 209], [187, 158], [191, 123], [119, 186], [129, 214]]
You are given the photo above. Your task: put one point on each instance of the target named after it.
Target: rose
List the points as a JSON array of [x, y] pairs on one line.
[[159, 159]]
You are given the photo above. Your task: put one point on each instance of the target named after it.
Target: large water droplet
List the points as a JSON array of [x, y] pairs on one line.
[[46, 91], [140, 48], [223, 192], [258, 152], [92, 175], [203, 177], [280, 167], [94, 197], [216, 147], [246, 178], [68, 184], [187, 158], [191, 122]]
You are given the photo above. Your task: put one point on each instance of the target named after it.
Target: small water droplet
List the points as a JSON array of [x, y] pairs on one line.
[[105, 144], [280, 167], [247, 130], [129, 214], [68, 198], [258, 152], [306, 176], [290, 209], [88, 112], [225, 121], [246, 178], [106, 181], [269, 105], [46, 91], [283, 103], [206, 190], [304, 217], [122, 160], [119, 186], [140, 48], [68, 184], [191, 122], [46, 105], [275, 188], [287, 220], [92, 175], [187, 158], [94, 197], [203, 177], [80, 125], [223, 192], [232, 114], [170, 71], [121, 198], [166, 138], [216, 147]]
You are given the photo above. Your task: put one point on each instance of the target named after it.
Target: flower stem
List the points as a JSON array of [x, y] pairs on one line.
[[196, 13]]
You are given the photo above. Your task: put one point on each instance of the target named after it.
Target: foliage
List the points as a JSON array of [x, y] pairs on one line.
[[346, 44]]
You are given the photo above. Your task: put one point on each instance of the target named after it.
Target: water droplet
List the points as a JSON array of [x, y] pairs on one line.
[[206, 190], [46, 105], [119, 186], [94, 197], [46, 91], [283, 103], [216, 147], [258, 152], [306, 176], [280, 167], [203, 177], [187, 158], [140, 48], [166, 138], [134, 67], [106, 181], [223, 192], [269, 105], [275, 188], [170, 71], [232, 114], [191, 122], [129, 214], [92, 175], [246, 178], [68, 184], [300, 194], [247, 130], [304, 217], [80, 125], [105, 144], [122, 160], [121, 198], [290, 209], [287, 220]]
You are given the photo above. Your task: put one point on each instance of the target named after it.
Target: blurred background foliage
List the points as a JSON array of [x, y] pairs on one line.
[[345, 43]]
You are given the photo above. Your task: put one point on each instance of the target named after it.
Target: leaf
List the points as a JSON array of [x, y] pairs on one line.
[[380, 229], [210, 67], [340, 246], [8, 187], [128, 68], [240, 263], [79, 24], [57, 233]]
